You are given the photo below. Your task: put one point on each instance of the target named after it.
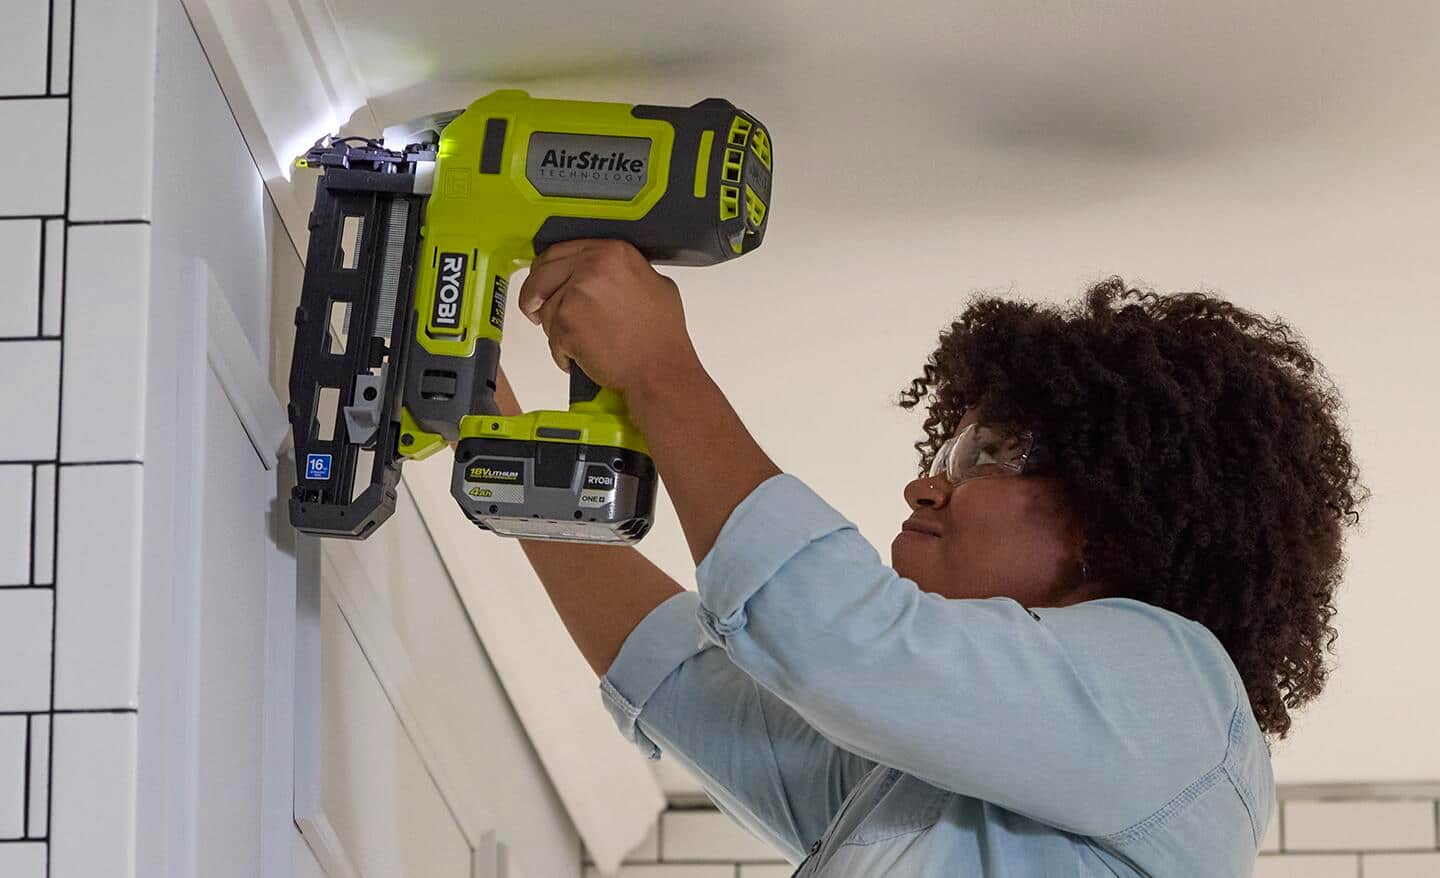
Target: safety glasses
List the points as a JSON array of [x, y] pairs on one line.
[[982, 450]]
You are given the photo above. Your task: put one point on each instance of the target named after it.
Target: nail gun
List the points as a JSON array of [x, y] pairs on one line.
[[397, 335]]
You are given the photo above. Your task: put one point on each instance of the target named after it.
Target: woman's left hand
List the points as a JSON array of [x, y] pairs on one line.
[[602, 304]]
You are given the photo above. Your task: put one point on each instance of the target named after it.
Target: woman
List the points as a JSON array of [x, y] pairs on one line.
[[1115, 585]]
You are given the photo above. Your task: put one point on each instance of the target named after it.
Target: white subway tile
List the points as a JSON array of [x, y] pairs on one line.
[[767, 870], [44, 524], [113, 90], [34, 134], [667, 870], [23, 47], [19, 277], [709, 835], [646, 851], [97, 587], [52, 292], [60, 48], [1271, 842], [1307, 866], [32, 389], [1354, 826], [25, 648], [15, 524], [23, 859], [106, 298], [39, 776], [12, 776], [1402, 865], [92, 816]]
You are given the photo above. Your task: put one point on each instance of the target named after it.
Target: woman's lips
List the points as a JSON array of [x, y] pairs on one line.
[[911, 527]]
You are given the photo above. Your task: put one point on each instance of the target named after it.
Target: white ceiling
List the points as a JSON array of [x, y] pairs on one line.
[[879, 98]]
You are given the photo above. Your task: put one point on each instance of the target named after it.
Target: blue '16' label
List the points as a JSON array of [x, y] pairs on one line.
[[317, 466]]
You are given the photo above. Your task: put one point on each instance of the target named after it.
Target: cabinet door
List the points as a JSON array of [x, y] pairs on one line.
[[379, 800]]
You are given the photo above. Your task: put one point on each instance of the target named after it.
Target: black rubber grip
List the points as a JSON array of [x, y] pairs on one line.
[[582, 389]]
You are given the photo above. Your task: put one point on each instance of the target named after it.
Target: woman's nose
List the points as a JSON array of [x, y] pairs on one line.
[[931, 493]]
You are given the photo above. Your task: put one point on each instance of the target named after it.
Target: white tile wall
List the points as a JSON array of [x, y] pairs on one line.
[[708, 835], [1353, 826], [22, 860], [15, 524], [1364, 830], [35, 137], [97, 587], [768, 870], [20, 283], [1271, 841], [106, 298], [92, 814], [22, 57], [1307, 866], [13, 730], [39, 823], [1401, 865], [31, 391], [647, 851], [113, 92], [25, 617], [60, 180], [668, 870]]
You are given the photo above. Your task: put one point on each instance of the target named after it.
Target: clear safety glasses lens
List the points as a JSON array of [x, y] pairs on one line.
[[979, 450]]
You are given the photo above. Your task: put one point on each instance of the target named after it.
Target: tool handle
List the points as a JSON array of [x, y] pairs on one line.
[[582, 389]]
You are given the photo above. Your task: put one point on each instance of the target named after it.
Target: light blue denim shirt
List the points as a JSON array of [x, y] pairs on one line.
[[868, 728]]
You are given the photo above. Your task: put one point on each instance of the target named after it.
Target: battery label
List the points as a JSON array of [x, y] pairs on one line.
[[505, 472]]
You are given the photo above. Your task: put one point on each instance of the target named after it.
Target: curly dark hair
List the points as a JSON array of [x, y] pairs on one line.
[[1202, 447]]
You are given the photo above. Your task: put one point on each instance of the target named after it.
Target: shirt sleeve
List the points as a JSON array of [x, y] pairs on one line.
[[670, 691], [1090, 717]]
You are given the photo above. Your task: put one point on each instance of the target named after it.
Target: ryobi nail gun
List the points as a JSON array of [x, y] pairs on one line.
[[397, 337]]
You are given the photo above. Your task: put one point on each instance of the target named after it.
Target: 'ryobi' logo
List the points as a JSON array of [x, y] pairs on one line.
[[449, 288], [598, 478]]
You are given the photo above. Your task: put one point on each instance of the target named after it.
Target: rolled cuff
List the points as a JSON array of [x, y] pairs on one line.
[[781, 516], [664, 639]]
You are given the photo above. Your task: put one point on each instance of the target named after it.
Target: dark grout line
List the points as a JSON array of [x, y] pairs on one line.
[[43, 97], [108, 222], [69, 711], [40, 285], [59, 418], [25, 805], [70, 463], [50, 47], [34, 479]]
